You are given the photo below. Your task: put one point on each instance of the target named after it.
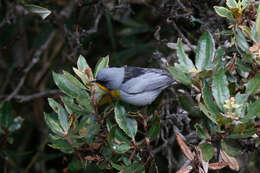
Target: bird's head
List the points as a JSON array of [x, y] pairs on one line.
[[110, 78]]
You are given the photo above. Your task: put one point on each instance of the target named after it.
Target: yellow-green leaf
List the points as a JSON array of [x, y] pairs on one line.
[[232, 4], [183, 58], [117, 141], [102, 63], [224, 12]]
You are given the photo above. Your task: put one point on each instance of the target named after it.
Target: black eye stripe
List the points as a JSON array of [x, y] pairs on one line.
[[102, 82]]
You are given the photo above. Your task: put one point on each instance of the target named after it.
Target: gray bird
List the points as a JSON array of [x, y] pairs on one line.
[[134, 85]]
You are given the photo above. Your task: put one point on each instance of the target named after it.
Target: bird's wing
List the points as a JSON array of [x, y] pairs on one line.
[[138, 80]]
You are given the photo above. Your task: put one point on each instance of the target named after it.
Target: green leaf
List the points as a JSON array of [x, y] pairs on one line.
[[243, 69], [179, 75], [75, 165], [209, 101], [205, 52], [230, 150], [81, 75], [224, 12], [219, 54], [253, 111], [68, 86], [232, 4], [83, 66], [245, 3], [82, 63], [43, 12], [201, 132], [189, 105], [6, 116], [116, 166], [241, 99], [241, 40], [109, 125], [85, 102], [135, 167], [62, 114], [53, 124], [101, 64], [62, 145], [73, 80], [222, 120], [154, 129], [220, 89], [255, 33], [207, 151], [54, 105], [69, 102], [239, 127], [107, 152], [63, 119], [206, 112], [128, 125], [246, 134], [118, 141], [89, 127], [247, 30], [183, 58], [253, 85]]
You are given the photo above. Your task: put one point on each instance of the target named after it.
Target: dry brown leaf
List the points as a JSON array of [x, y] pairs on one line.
[[232, 64], [231, 161], [66, 170], [254, 48], [201, 170], [218, 165], [184, 147], [93, 158], [185, 170]]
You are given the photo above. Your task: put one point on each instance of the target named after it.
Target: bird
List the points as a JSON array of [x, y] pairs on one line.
[[134, 85]]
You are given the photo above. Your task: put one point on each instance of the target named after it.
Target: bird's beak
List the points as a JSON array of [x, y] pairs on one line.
[[92, 81]]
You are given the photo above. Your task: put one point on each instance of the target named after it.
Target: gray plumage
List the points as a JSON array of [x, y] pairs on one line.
[[138, 86], [111, 78]]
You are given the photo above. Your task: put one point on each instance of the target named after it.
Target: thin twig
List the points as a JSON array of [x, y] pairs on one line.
[[27, 98], [34, 61], [19, 86], [182, 35], [95, 27], [183, 7]]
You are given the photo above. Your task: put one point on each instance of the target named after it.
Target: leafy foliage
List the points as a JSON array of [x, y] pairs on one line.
[[73, 127], [225, 109]]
